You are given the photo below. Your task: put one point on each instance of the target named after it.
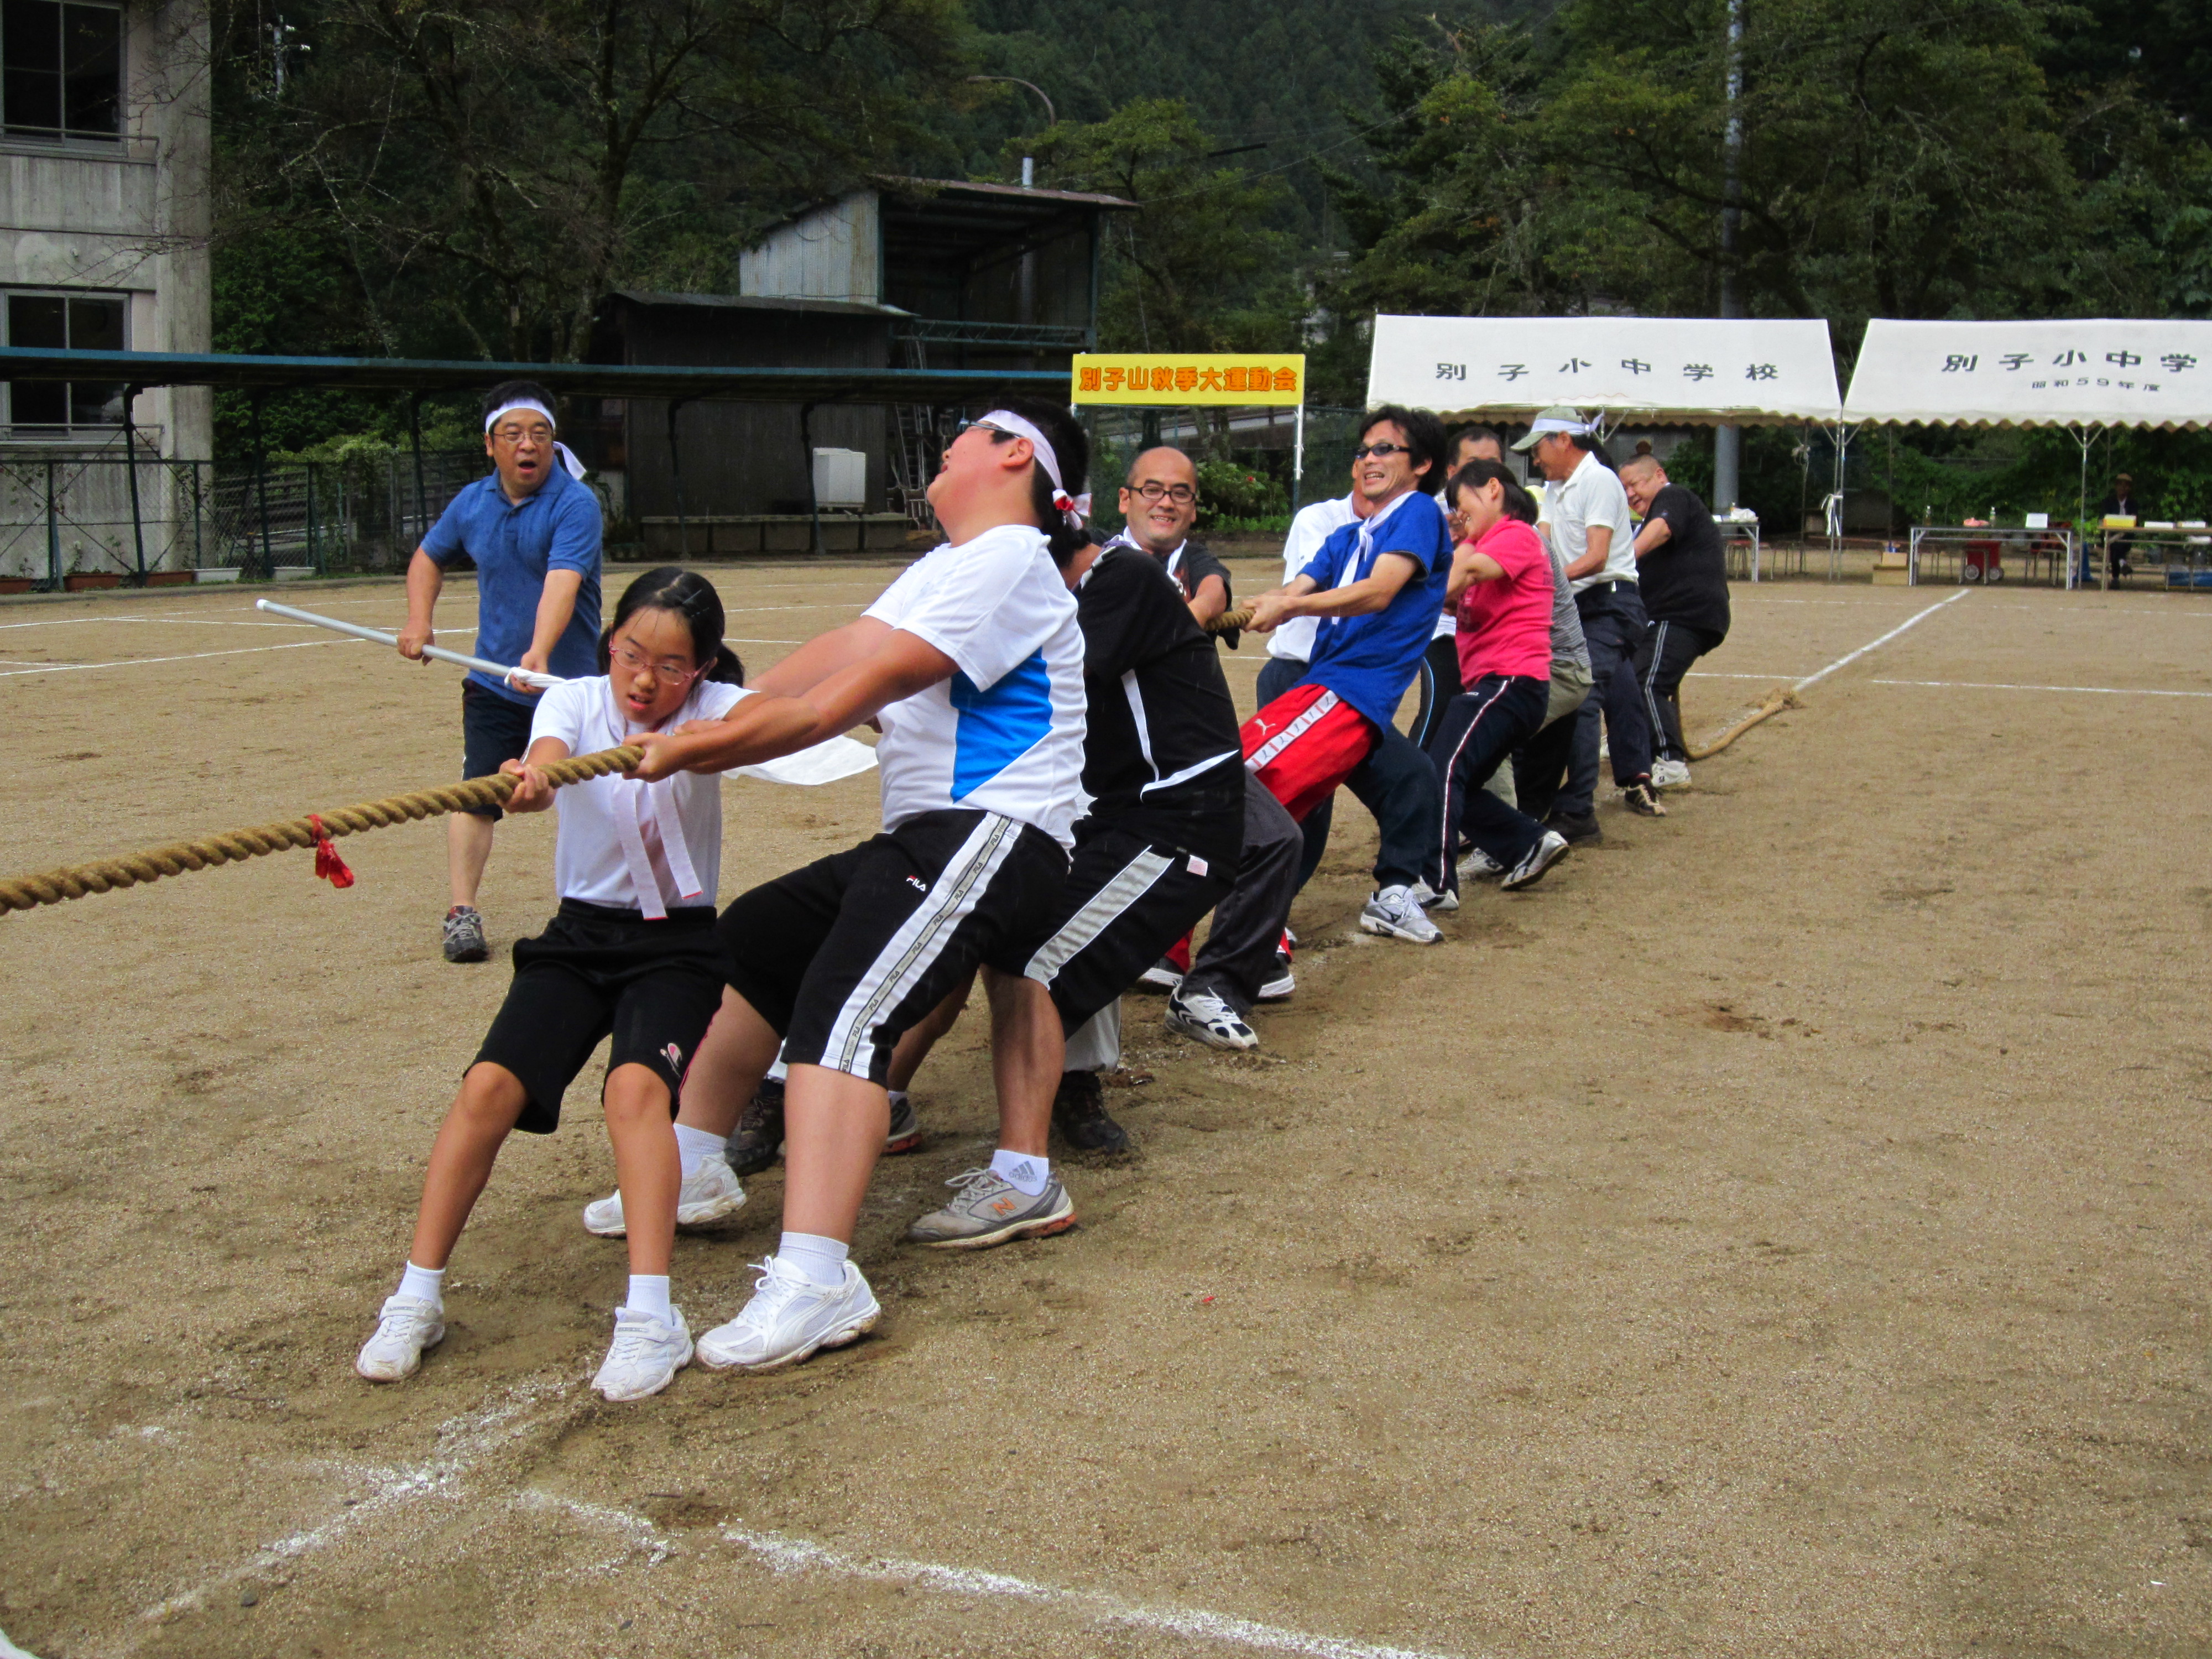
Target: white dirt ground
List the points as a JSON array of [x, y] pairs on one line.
[[1783, 1231]]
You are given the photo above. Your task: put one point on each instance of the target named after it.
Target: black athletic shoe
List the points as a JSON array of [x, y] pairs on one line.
[[1577, 831], [1640, 797], [760, 1131], [1079, 1112]]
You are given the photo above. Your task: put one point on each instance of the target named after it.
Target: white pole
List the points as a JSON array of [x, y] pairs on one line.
[[375, 636], [1299, 456]]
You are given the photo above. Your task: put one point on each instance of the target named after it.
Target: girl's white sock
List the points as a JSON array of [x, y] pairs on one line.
[[1027, 1173], [424, 1284], [696, 1146], [649, 1294], [898, 1099], [820, 1260]]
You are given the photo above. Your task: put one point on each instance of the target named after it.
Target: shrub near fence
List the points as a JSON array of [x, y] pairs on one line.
[[72, 514]]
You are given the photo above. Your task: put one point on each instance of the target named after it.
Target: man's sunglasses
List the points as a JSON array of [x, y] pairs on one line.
[[1381, 451]]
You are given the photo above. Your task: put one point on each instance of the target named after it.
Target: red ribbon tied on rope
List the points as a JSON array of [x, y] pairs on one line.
[[328, 865]]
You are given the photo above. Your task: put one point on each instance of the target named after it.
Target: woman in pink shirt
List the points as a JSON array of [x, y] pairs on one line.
[[1501, 581]]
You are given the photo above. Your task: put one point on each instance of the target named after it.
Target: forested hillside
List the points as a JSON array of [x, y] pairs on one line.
[[464, 182]]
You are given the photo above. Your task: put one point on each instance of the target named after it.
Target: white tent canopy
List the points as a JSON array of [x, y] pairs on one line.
[[2073, 372], [1671, 370]]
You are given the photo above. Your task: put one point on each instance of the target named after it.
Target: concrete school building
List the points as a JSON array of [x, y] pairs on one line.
[[105, 141]]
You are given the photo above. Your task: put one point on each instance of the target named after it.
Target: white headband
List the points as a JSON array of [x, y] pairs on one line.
[[575, 468], [1552, 423], [1073, 508]]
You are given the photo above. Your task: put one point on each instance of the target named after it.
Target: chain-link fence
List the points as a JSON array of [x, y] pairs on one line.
[[99, 517]]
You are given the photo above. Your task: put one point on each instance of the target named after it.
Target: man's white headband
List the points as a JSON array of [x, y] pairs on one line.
[[575, 468], [1073, 508], [1552, 423]]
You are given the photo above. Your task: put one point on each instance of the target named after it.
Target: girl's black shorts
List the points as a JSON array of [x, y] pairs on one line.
[[596, 970]]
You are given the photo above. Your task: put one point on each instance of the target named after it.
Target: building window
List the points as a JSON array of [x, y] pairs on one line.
[[66, 322], [63, 64]]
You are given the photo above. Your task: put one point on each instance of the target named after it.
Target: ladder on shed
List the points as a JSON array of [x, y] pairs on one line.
[[914, 446]]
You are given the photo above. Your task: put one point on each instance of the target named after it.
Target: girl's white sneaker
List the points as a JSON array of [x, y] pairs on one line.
[[709, 1193], [789, 1317], [405, 1327], [644, 1357]]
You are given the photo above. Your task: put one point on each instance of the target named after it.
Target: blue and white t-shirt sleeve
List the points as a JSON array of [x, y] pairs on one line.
[[986, 608], [893, 602], [561, 712], [575, 532]]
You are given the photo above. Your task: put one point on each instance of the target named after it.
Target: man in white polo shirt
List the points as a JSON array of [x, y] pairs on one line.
[[1587, 520]]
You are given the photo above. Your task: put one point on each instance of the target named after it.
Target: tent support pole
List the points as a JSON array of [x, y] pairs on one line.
[[1836, 541], [1298, 455], [2085, 437]]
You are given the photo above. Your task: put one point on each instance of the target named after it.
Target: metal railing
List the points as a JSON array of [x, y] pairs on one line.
[[100, 516]]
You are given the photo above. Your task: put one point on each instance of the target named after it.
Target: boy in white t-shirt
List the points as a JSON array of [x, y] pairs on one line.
[[972, 661]]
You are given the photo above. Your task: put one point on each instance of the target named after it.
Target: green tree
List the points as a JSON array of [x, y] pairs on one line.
[[1195, 267], [486, 171]]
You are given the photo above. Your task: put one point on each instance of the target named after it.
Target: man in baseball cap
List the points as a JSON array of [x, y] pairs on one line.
[[1587, 519]]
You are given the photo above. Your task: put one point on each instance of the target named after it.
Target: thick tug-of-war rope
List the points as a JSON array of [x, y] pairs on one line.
[[315, 830], [1230, 621]]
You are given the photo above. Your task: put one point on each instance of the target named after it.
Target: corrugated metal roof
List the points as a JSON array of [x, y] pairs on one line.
[[692, 383], [760, 302]]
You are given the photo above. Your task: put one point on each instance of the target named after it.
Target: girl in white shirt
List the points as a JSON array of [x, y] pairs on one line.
[[633, 954]]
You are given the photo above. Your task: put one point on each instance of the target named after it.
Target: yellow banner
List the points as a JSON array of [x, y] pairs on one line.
[[1166, 377]]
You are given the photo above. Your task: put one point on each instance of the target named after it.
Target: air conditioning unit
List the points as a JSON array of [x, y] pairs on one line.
[[840, 477]]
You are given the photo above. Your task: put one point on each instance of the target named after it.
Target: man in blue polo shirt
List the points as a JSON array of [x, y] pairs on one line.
[[533, 529], [1376, 586]]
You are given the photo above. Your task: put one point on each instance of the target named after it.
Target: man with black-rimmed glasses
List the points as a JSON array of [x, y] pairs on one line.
[[1159, 505]]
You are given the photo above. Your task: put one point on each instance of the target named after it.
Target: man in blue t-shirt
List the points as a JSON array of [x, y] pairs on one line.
[[1375, 587], [532, 529]]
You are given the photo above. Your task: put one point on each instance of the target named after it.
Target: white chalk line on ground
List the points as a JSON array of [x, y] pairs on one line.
[[1850, 657], [191, 656], [465, 1441], [254, 650], [1999, 686], [782, 1554]]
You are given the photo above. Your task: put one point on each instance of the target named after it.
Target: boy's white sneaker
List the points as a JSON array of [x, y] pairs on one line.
[[1429, 899], [1395, 913], [789, 1317], [1479, 865], [405, 1327], [1669, 773], [709, 1194], [644, 1357], [1205, 1017]]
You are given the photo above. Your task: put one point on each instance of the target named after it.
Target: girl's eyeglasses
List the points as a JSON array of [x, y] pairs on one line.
[[667, 668]]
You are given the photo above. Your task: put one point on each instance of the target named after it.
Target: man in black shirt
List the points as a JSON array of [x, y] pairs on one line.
[[2120, 502], [1684, 582], [1159, 505]]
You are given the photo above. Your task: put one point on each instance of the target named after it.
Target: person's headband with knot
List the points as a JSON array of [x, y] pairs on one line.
[[1074, 508], [575, 468], [1552, 423]]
